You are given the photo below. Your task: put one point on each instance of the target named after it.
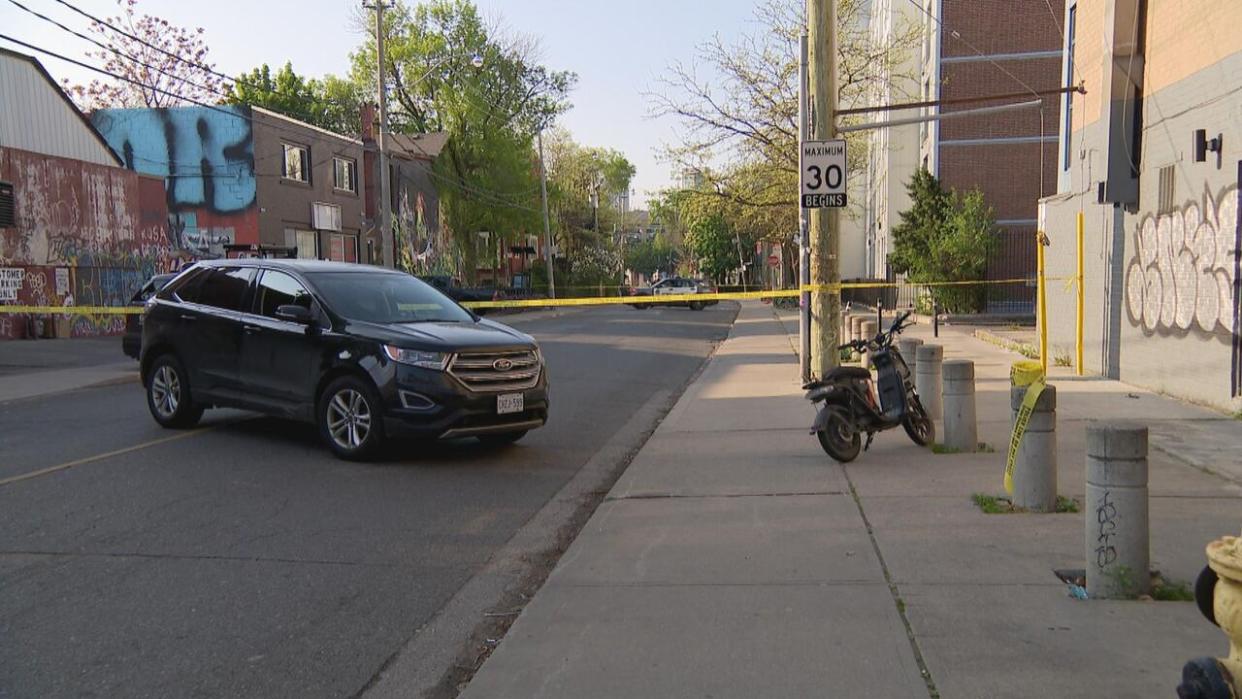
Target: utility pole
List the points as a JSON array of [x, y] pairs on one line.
[[385, 212], [804, 227], [825, 230], [547, 225]]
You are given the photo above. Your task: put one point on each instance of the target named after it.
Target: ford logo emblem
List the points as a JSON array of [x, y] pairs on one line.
[[502, 364]]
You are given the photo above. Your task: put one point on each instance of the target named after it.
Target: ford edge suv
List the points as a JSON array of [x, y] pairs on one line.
[[364, 352]]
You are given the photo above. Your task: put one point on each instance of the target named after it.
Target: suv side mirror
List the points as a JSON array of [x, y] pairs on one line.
[[294, 313]]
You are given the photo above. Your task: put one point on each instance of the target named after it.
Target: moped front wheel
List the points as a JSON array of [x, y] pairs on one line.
[[838, 438], [921, 429]]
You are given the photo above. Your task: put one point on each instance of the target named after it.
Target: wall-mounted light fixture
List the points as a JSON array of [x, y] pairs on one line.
[[1202, 145]]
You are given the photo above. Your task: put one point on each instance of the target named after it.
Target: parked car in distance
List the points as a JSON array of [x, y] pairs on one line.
[[131, 341], [453, 289], [676, 286], [365, 353]]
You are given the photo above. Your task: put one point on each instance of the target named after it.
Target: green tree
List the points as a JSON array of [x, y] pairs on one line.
[[332, 103], [447, 71], [944, 236], [655, 254]]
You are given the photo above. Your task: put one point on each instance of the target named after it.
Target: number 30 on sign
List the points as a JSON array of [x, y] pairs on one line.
[[823, 174]]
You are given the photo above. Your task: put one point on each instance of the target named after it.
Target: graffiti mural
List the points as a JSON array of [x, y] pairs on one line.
[[1181, 277], [205, 158], [85, 234]]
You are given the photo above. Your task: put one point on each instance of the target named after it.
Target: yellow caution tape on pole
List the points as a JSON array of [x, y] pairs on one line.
[[1031, 375]]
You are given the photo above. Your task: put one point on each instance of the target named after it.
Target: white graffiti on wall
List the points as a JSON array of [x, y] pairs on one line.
[[1182, 272]]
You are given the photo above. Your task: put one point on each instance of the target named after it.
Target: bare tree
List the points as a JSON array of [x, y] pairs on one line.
[[739, 117], [158, 63]]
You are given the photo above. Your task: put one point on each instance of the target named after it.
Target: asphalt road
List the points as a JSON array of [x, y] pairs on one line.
[[242, 559]]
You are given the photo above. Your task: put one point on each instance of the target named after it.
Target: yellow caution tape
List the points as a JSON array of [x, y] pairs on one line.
[[1031, 375], [581, 301], [75, 310]]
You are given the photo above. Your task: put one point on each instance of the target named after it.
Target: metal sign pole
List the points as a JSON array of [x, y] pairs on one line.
[[804, 249]]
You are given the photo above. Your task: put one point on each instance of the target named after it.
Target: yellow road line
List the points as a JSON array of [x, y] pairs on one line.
[[107, 455]]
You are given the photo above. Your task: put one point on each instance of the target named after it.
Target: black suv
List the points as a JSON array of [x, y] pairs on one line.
[[363, 352]]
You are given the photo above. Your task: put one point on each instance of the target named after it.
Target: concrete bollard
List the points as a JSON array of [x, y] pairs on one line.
[[868, 328], [856, 327], [927, 378], [1118, 554], [961, 431], [1035, 464], [908, 347]]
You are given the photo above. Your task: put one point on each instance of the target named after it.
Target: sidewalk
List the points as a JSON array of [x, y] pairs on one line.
[[32, 368], [734, 559]]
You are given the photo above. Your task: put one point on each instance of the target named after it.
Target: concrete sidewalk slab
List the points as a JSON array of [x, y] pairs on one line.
[[722, 641], [749, 540], [1033, 641], [42, 383], [724, 463]]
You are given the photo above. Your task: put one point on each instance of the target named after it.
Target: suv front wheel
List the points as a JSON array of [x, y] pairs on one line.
[[350, 419], [168, 394]]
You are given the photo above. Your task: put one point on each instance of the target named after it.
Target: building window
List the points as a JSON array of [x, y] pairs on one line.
[[1067, 131], [1165, 195], [297, 163], [345, 175]]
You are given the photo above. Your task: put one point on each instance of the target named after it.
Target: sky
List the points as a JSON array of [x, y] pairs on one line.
[[618, 49]]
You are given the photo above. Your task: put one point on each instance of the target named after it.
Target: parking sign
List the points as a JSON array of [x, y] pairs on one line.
[[823, 174]]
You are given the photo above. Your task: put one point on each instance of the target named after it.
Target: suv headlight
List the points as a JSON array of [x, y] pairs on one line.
[[437, 361]]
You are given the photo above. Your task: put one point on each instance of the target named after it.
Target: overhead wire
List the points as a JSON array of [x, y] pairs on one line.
[[144, 42], [490, 196]]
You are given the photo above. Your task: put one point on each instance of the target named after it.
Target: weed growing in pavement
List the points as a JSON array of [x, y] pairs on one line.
[[983, 448], [1062, 358], [1001, 505], [1170, 591], [990, 504]]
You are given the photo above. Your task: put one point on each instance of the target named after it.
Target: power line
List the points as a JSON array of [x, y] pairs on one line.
[[144, 42], [495, 196], [215, 108], [116, 51]]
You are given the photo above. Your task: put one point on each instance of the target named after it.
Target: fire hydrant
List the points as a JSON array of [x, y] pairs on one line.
[[1219, 595]]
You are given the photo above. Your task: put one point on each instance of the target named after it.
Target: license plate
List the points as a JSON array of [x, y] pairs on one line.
[[510, 403]]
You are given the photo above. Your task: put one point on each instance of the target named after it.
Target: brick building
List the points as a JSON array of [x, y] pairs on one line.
[[977, 48], [246, 175], [1152, 159]]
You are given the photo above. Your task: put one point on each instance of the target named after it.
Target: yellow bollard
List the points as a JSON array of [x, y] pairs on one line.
[[1078, 330]]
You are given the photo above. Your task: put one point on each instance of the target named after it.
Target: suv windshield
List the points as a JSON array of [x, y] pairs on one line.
[[386, 298]]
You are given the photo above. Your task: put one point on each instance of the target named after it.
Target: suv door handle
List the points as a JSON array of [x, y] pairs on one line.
[[252, 329], [188, 316]]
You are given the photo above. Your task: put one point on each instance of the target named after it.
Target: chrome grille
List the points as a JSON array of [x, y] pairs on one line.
[[496, 372]]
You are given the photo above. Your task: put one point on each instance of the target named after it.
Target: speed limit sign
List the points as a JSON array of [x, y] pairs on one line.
[[823, 174]]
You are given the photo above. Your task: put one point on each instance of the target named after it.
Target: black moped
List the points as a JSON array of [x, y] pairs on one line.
[[851, 405]]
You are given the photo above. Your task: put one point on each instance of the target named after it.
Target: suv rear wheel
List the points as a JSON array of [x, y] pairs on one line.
[[350, 419], [168, 394]]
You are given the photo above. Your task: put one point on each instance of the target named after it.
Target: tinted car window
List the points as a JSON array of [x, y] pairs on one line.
[[224, 288], [278, 289], [380, 297], [186, 286]]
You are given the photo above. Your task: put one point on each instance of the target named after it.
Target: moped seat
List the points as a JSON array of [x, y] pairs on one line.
[[847, 372]]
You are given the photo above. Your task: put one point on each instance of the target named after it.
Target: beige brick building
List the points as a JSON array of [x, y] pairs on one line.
[[1161, 220]]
